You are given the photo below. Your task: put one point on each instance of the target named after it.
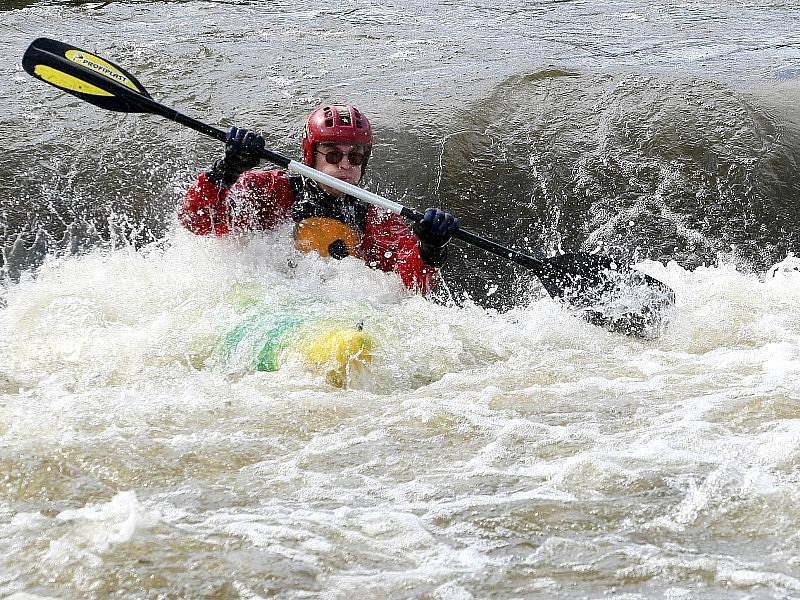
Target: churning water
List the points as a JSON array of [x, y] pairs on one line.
[[497, 446]]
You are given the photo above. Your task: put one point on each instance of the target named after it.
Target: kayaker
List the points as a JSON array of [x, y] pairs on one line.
[[337, 140]]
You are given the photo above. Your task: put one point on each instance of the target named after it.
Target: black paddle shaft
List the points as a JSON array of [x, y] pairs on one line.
[[219, 134], [470, 238]]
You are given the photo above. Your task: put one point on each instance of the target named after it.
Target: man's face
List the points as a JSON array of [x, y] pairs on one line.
[[342, 169]]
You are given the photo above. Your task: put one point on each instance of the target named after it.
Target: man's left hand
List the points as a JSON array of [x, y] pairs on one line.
[[436, 228]]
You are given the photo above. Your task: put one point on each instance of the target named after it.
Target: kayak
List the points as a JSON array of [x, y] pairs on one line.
[[267, 340]]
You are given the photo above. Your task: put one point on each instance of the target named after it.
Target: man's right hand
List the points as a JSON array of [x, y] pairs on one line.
[[242, 153]]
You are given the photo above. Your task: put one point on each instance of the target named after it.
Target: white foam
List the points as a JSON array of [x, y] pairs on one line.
[[472, 417], [95, 528]]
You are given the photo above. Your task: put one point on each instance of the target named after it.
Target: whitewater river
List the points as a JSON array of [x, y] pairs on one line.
[[496, 446]]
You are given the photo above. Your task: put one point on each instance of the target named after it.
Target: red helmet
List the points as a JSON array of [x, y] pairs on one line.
[[339, 124]]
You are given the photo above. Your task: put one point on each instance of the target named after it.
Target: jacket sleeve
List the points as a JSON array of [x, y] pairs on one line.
[[389, 245], [259, 200], [203, 209]]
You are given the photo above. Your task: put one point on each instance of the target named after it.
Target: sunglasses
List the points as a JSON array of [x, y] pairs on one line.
[[335, 156]]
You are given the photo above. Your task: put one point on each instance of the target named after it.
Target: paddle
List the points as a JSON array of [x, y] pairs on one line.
[[617, 298]]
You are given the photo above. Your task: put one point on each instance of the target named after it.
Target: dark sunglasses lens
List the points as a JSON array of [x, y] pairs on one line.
[[334, 157], [355, 158]]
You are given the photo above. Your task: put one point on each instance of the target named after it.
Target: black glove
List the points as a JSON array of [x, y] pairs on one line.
[[242, 153], [434, 233]]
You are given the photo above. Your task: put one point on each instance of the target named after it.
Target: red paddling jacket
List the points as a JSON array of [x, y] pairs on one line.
[[260, 200]]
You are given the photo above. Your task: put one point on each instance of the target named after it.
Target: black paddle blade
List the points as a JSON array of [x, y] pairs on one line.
[[82, 74], [579, 278], [609, 295]]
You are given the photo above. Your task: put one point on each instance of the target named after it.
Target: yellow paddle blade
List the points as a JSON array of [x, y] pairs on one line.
[[67, 82], [83, 74]]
